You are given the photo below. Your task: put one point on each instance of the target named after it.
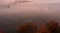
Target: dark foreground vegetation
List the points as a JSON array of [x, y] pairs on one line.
[[31, 27], [50, 27]]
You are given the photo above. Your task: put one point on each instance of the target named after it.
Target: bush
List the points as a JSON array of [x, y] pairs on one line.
[[28, 28]]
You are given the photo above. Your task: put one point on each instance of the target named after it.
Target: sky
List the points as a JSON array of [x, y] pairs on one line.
[[44, 5], [33, 8], [38, 1]]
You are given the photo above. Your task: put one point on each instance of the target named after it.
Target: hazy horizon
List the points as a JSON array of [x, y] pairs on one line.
[[15, 12], [31, 9]]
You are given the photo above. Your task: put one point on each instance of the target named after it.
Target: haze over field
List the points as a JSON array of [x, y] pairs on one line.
[[15, 12]]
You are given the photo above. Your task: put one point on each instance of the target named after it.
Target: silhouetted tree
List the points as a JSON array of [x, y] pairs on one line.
[[44, 29], [28, 28], [53, 25]]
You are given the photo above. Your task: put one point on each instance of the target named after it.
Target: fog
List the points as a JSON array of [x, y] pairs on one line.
[[16, 12]]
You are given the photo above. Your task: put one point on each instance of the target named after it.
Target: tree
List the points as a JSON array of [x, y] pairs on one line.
[[44, 29], [28, 28], [53, 25]]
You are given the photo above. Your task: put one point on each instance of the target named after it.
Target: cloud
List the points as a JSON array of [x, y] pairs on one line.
[[32, 1]]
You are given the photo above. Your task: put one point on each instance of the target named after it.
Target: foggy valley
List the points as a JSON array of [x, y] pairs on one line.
[[13, 14]]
